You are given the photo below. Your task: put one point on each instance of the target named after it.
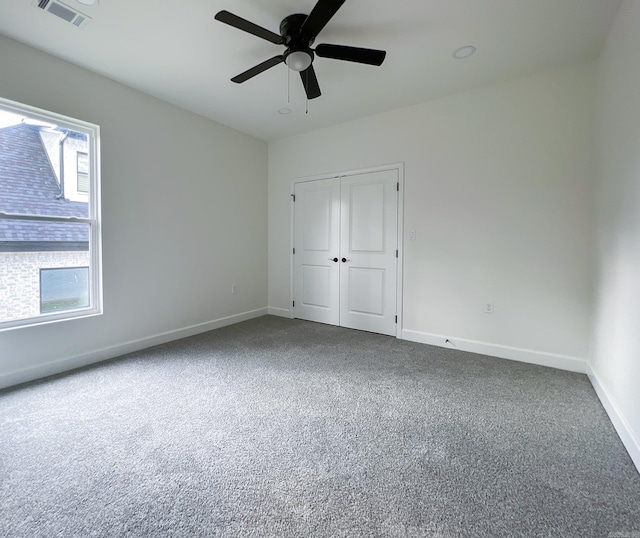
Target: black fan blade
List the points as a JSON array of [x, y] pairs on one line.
[[319, 17], [250, 73], [351, 54], [310, 82], [249, 27]]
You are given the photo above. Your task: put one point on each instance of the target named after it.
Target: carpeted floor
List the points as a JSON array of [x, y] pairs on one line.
[[276, 427]]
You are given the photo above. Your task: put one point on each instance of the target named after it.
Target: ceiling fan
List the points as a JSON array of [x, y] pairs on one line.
[[297, 34]]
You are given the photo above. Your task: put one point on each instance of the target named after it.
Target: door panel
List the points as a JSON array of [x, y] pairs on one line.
[[367, 291], [317, 242], [366, 217], [317, 205], [369, 220], [316, 286]]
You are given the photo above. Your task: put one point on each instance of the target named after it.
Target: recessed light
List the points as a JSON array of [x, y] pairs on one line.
[[284, 111], [88, 2], [464, 52]]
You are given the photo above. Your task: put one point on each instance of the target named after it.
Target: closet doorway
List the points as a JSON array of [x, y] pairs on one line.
[[346, 252]]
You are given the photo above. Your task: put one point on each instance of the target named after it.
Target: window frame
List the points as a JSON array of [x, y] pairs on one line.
[[93, 220]]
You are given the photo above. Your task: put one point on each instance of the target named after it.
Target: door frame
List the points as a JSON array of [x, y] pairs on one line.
[[399, 167]]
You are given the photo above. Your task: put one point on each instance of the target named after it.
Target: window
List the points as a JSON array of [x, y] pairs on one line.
[[50, 255], [64, 288], [82, 166]]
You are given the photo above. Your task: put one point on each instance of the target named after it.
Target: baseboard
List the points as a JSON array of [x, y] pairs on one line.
[[98, 355], [620, 423], [541, 358], [282, 312]]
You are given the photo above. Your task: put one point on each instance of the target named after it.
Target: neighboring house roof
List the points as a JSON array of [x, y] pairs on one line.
[[28, 185]]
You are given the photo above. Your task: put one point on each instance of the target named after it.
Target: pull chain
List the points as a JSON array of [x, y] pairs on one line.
[[306, 74]]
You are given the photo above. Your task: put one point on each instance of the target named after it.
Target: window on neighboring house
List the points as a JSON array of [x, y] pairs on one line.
[[83, 171], [50, 254]]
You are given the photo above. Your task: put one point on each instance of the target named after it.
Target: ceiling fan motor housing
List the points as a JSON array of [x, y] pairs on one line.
[[290, 32]]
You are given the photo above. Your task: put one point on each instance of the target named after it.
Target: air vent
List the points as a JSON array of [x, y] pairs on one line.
[[64, 12]]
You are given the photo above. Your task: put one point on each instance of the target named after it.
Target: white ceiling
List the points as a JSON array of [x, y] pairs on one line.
[[175, 50]]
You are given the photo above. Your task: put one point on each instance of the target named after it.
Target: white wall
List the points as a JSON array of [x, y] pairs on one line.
[[615, 360], [498, 186], [184, 216]]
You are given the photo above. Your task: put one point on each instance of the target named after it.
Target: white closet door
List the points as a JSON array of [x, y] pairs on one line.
[[368, 265], [317, 245]]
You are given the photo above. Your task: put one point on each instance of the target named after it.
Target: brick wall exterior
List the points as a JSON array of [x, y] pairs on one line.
[[20, 279]]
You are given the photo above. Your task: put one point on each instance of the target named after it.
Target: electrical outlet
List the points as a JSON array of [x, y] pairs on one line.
[[488, 308], [234, 289]]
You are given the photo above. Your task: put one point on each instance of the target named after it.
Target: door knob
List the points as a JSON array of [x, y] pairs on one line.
[[333, 259], [344, 260]]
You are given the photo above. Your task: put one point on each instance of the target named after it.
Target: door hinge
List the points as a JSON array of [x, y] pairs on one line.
[[398, 186], [396, 253], [294, 250], [293, 196], [293, 303], [396, 319]]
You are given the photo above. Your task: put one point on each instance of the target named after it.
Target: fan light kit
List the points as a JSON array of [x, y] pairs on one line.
[[297, 34], [298, 60], [88, 2]]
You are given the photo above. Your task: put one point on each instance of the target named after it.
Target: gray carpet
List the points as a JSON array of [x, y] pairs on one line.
[[275, 427]]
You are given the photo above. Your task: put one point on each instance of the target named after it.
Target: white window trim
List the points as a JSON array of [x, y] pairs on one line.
[[94, 220]]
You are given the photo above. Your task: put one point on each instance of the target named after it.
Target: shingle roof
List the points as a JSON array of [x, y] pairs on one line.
[[28, 185]]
